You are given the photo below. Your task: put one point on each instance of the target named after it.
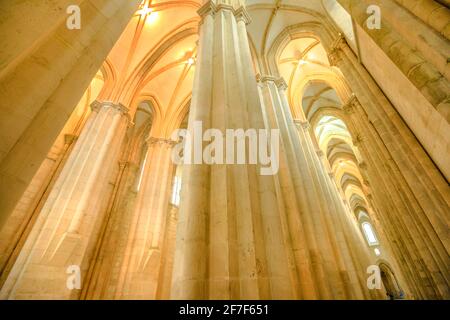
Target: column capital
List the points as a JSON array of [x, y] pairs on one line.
[[358, 139], [305, 125], [123, 164], [320, 153], [161, 141], [362, 165], [281, 83], [70, 138], [339, 42], [335, 54], [278, 81], [348, 108], [265, 78], [211, 8], [96, 106], [334, 57], [352, 101], [242, 14]]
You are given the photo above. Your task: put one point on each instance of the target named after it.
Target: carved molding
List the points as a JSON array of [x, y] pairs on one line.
[[123, 164], [161, 141], [305, 125], [352, 102], [349, 108], [358, 139], [70, 138], [265, 78], [278, 81], [96, 106], [210, 8], [335, 54], [242, 14], [281, 83], [363, 166]]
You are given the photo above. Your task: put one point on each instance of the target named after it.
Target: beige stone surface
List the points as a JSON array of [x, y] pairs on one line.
[[87, 180]]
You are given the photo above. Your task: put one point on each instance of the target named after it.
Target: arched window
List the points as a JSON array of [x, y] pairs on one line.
[[390, 282], [369, 233]]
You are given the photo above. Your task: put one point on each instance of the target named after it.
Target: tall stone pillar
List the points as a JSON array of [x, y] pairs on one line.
[[412, 193], [141, 273], [430, 12], [230, 242], [65, 231], [429, 76], [401, 214], [330, 254], [45, 67]]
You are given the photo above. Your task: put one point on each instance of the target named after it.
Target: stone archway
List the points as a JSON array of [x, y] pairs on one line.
[[390, 283]]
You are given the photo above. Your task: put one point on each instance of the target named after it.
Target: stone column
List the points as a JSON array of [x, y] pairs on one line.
[[345, 234], [65, 231], [432, 46], [330, 255], [348, 244], [426, 182], [431, 12], [401, 213], [430, 79], [142, 267], [417, 190], [165, 285], [308, 263], [45, 68], [230, 243]]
